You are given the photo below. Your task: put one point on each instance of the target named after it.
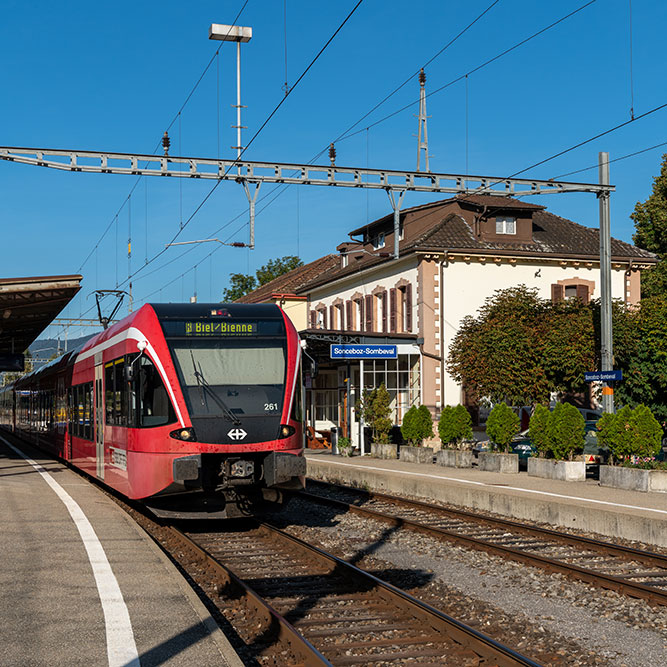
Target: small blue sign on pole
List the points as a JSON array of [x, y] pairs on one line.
[[363, 351], [603, 376]]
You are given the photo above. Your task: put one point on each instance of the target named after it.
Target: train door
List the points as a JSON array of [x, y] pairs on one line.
[[99, 415]]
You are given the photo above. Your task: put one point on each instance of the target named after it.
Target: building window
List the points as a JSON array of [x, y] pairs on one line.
[[378, 241], [405, 309], [505, 224], [559, 292]]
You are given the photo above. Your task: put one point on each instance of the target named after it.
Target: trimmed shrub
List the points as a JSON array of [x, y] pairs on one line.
[[566, 431], [374, 407], [417, 425], [538, 430], [502, 425], [454, 425], [648, 430], [630, 433]]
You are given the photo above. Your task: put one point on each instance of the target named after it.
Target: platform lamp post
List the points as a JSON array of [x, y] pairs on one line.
[[238, 34]]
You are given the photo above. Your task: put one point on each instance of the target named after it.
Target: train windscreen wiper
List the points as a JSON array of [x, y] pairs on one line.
[[205, 386]]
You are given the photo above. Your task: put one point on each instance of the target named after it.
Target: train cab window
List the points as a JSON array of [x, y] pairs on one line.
[[155, 408]]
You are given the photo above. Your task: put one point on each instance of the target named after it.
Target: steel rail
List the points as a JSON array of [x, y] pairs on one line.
[[274, 621], [600, 579], [456, 630]]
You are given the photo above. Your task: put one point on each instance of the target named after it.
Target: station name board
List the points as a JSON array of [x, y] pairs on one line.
[[220, 328], [363, 352], [603, 376]]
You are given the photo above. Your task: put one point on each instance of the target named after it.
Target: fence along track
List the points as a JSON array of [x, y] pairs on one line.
[[610, 566], [348, 615]]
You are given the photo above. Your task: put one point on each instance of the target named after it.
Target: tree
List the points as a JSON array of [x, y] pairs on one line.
[[643, 358], [520, 348], [502, 425], [276, 267], [650, 218], [241, 284]]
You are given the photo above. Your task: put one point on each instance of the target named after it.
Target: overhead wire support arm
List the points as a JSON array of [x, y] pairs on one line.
[[292, 174]]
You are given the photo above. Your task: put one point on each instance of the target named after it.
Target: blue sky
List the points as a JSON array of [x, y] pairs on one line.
[[94, 76]]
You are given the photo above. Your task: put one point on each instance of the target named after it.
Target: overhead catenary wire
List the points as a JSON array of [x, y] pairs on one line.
[[266, 121]]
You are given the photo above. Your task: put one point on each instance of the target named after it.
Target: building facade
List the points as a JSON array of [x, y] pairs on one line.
[[453, 255]]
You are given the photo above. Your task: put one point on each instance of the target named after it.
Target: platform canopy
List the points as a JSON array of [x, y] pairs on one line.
[[27, 307]]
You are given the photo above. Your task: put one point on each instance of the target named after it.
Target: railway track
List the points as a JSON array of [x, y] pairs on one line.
[[633, 572], [329, 612]]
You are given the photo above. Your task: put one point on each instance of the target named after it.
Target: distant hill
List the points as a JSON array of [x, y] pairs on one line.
[[44, 348]]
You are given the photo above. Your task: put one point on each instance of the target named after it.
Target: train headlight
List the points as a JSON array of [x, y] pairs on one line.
[[286, 431], [185, 434]]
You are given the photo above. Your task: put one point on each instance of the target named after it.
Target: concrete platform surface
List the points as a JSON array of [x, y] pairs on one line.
[[81, 584], [615, 513]]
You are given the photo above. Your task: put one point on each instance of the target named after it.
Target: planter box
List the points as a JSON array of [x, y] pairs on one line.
[[379, 451], [568, 471], [416, 454], [633, 479], [454, 458], [492, 462]]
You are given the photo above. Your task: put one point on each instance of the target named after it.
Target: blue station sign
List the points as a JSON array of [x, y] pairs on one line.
[[364, 351], [603, 376]]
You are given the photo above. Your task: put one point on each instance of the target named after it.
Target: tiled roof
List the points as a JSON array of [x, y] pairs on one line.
[[292, 281], [480, 201], [553, 237]]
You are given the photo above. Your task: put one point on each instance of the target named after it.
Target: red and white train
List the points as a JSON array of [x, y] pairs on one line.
[[193, 408]]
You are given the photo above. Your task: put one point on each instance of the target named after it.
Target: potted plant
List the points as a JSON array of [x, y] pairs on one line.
[[345, 447], [501, 426], [634, 439], [558, 434], [416, 427], [454, 426], [375, 410]]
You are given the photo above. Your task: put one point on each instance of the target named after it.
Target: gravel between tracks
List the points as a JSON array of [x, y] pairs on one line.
[[547, 616]]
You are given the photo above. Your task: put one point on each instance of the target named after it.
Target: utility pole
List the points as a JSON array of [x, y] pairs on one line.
[[422, 144], [607, 349]]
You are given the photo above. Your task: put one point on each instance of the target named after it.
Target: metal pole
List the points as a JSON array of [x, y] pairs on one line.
[[397, 217], [238, 100], [606, 335]]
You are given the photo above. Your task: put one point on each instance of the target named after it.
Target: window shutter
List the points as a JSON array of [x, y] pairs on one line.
[[392, 310], [313, 319], [348, 315], [557, 292], [408, 308], [384, 311], [369, 312], [332, 318], [582, 293]]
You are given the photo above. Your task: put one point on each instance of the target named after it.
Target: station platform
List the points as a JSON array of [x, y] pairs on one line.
[[81, 584], [587, 506]]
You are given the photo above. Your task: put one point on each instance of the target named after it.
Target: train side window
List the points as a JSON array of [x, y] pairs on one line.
[[120, 394], [155, 408], [109, 393]]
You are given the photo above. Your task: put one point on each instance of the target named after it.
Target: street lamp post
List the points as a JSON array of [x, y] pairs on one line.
[[238, 34]]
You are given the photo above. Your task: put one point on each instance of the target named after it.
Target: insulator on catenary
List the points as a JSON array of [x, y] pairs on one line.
[[166, 142], [332, 154], [422, 77]]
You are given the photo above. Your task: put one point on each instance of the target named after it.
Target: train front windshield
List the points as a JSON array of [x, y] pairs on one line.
[[225, 375]]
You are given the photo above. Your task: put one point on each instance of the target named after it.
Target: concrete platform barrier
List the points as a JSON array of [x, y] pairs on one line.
[[634, 479], [453, 458], [494, 462], [380, 451], [416, 454], [568, 471]]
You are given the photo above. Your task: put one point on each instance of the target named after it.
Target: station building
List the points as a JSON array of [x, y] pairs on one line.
[[453, 255]]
